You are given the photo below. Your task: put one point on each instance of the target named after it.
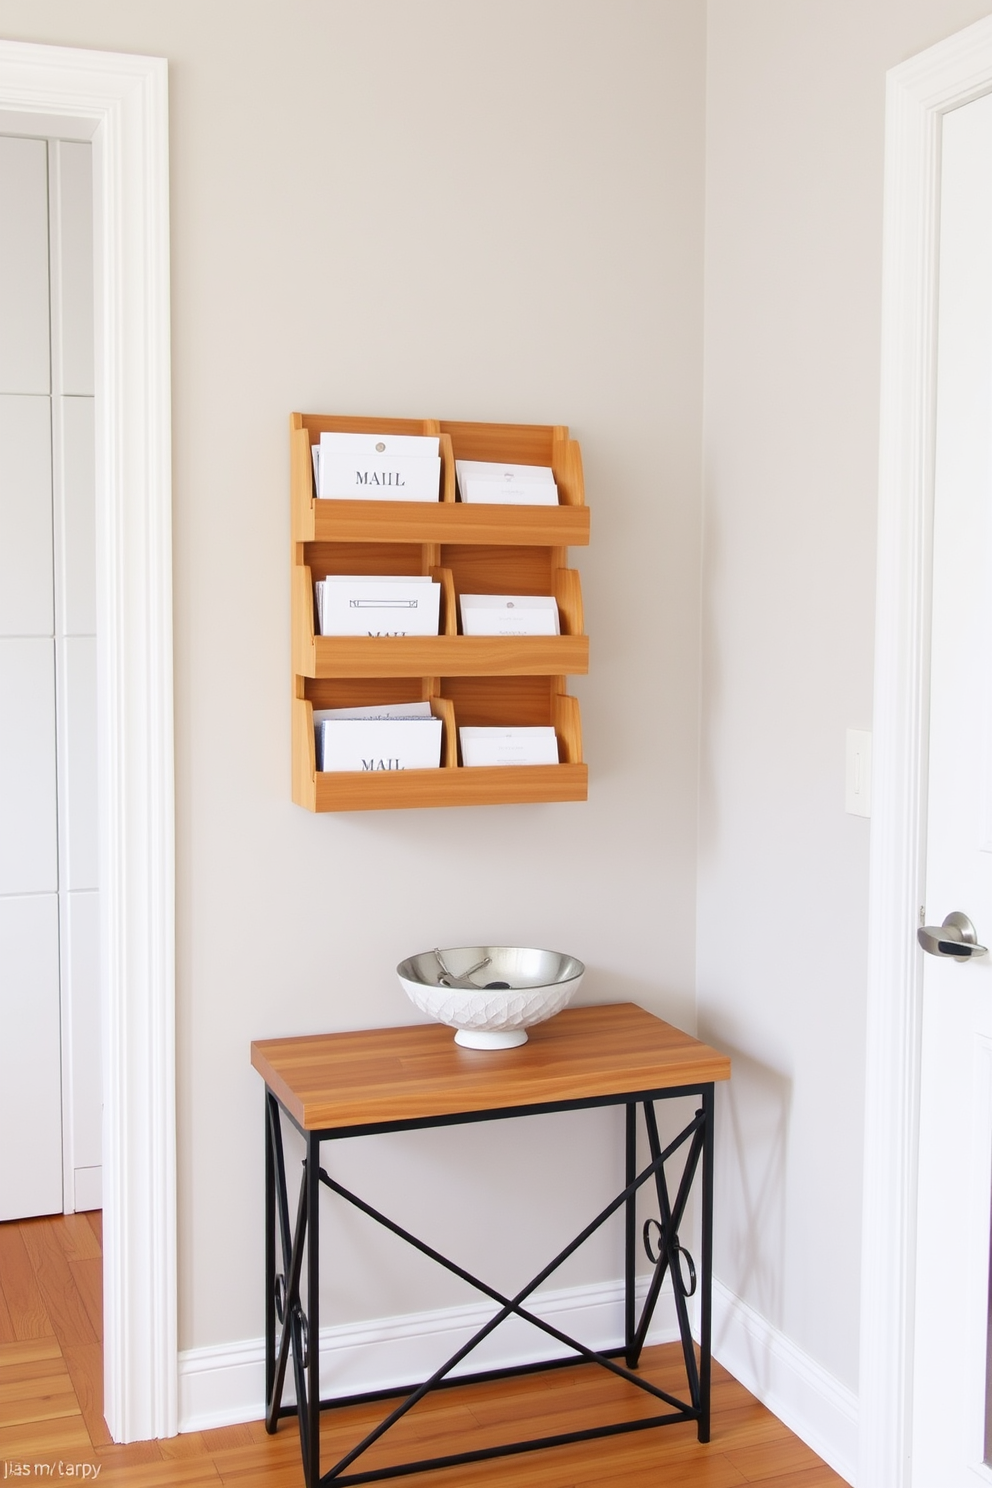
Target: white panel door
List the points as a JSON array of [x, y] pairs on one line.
[[28, 842], [30, 1079], [955, 1218], [25, 348]]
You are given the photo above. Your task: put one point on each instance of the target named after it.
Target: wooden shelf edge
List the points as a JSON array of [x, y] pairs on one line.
[[484, 786], [304, 755], [445, 656], [446, 522]]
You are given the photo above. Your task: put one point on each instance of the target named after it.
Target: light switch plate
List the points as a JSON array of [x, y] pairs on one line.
[[857, 774]]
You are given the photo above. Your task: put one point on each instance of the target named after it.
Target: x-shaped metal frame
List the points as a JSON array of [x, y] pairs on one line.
[[299, 1335]]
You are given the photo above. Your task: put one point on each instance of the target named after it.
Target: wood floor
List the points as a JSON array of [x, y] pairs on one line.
[[50, 1411]]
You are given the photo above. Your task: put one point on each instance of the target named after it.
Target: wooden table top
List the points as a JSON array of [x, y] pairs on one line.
[[413, 1073]]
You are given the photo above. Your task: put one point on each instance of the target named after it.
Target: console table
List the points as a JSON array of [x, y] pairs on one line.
[[342, 1085]]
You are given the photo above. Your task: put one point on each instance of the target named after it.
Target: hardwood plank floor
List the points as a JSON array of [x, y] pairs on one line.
[[51, 1411], [25, 1308]]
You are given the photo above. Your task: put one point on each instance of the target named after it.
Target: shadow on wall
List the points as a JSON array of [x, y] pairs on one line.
[[749, 1223]]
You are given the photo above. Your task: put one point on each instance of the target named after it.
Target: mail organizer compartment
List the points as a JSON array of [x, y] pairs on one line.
[[488, 702], [372, 655], [305, 431], [523, 444], [504, 569], [518, 702], [476, 570], [352, 790], [494, 680], [447, 520]]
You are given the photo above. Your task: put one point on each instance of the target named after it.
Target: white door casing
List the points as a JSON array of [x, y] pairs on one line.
[[918, 94], [120, 102]]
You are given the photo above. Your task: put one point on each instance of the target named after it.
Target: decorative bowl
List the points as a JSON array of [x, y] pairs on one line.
[[456, 987]]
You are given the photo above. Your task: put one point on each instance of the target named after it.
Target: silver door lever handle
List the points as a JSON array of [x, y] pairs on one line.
[[955, 937]]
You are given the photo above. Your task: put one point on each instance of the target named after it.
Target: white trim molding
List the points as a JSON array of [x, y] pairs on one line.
[[918, 94], [223, 1385], [122, 101], [816, 1406]]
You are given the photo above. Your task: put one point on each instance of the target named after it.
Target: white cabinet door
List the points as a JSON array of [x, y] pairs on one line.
[[30, 1077]]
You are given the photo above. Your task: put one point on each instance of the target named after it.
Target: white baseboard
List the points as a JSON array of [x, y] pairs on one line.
[[800, 1392], [226, 1384]]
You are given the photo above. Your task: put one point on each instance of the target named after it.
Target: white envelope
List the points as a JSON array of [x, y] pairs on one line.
[[378, 606], [373, 745], [492, 493], [377, 710], [541, 475], [508, 746], [379, 478], [506, 485], [348, 447], [509, 614]]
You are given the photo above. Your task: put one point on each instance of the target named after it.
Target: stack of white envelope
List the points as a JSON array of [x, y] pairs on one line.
[[506, 485], [393, 736], [377, 467], [384, 605], [508, 746], [509, 614]]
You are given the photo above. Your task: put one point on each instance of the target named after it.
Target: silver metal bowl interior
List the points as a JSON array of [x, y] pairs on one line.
[[521, 966]]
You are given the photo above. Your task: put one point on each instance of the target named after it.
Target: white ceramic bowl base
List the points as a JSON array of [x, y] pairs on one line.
[[482, 1038], [536, 985]]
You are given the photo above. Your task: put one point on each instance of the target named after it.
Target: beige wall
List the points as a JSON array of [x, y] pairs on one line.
[[793, 231], [486, 210]]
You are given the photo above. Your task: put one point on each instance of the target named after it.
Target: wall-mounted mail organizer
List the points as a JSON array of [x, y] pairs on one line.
[[486, 681]]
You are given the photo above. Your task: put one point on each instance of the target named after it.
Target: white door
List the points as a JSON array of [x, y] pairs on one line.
[[951, 1374]]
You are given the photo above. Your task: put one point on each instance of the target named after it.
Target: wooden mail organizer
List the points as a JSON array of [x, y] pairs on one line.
[[486, 681], [348, 1085]]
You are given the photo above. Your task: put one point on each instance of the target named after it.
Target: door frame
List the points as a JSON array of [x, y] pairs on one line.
[[918, 94], [123, 103]]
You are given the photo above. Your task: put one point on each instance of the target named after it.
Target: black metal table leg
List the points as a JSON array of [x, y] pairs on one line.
[[270, 1258], [631, 1350], [313, 1310], [706, 1266]]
